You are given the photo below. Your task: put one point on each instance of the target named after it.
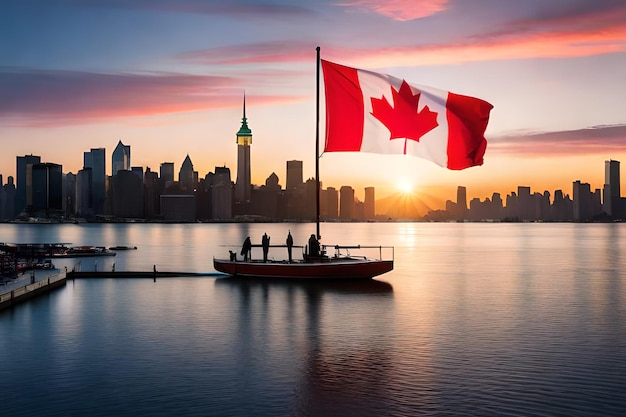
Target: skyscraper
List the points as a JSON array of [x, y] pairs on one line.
[[294, 174], [7, 200], [346, 202], [166, 172], [244, 140], [186, 176], [120, 159], [612, 191], [221, 191], [24, 191], [47, 179], [461, 202], [95, 159], [369, 208]]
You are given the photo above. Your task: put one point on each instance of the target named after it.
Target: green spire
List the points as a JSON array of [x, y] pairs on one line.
[[244, 130]]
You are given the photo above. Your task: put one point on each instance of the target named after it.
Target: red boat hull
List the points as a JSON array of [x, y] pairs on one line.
[[340, 269]]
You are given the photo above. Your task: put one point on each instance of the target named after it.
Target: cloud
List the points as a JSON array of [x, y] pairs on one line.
[[572, 34], [401, 10], [229, 8], [255, 53], [579, 33], [603, 140], [45, 98]]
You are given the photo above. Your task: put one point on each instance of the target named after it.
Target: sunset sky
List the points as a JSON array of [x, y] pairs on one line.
[[167, 77]]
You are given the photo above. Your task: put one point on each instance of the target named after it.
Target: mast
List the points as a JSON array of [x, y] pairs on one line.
[[317, 144]]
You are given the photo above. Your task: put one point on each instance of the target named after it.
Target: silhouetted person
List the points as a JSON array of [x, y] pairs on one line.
[[314, 246], [289, 244], [233, 255], [265, 243], [246, 249]]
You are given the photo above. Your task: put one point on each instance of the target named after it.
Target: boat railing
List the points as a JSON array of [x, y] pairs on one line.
[[381, 249], [369, 251]]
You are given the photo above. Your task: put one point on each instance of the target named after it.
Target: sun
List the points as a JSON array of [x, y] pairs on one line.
[[405, 186]]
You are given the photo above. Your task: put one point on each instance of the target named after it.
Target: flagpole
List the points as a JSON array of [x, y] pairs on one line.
[[317, 144]]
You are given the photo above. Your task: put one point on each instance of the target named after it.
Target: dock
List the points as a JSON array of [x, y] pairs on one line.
[[9, 298], [138, 274], [14, 295]]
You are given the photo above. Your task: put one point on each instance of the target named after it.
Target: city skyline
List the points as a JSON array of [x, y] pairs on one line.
[[423, 203], [80, 76], [406, 205]]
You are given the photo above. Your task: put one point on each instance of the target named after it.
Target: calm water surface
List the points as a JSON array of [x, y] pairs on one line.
[[475, 319]]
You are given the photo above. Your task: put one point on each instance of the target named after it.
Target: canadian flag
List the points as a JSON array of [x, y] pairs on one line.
[[371, 112]]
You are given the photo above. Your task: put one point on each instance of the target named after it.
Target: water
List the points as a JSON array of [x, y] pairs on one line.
[[475, 319]]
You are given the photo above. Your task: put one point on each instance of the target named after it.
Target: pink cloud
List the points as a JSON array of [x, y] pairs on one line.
[[45, 98], [257, 53], [603, 140], [571, 35], [401, 10]]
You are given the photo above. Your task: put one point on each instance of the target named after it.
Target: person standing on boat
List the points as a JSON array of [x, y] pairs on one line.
[[314, 246], [289, 244], [265, 242], [246, 249]]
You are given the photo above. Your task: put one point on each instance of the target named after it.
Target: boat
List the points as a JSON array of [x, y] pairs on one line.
[[80, 251], [116, 248], [340, 266], [315, 264]]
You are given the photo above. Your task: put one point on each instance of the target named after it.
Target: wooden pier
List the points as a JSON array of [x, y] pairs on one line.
[[9, 298], [137, 274], [21, 294]]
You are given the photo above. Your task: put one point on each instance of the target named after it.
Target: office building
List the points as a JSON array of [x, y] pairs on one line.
[[612, 191], [369, 205], [178, 208], [222, 194], [47, 186], [120, 159], [24, 186], [127, 195], [7, 199], [294, 175], [69, 193], [84, 200], [346, 203], [461, 202], [166, 172], [186, 176], [329, 203], [95, 160]]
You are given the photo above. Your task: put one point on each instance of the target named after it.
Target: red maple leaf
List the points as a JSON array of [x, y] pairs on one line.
[[403, 120]]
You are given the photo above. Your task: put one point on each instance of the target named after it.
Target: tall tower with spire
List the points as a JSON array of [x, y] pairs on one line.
[[244, 140]]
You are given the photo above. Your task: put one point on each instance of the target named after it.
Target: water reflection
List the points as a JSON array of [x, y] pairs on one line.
[[338, 333]]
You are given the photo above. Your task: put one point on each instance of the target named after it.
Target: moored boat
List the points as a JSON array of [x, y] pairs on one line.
[[116, 248], [336, 267], [79, 251]]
